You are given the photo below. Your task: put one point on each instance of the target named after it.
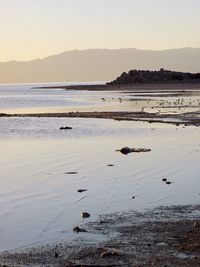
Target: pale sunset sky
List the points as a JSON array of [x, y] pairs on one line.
[[38, 28]]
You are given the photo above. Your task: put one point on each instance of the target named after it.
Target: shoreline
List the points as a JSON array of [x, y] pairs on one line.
[[164, 236], [195, 85], [186, 119]]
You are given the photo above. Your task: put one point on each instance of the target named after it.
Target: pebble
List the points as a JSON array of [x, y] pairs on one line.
[[85, 215], [109, 254], [81, 190], [65, 128], [79, 230]]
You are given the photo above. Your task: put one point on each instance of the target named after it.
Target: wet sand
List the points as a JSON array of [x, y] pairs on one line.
[[165, 236]]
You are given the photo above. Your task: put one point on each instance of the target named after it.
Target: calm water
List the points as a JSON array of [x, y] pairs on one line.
[[40, 203]]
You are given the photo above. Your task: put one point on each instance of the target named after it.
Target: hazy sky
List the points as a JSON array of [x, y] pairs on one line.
[[38, 28]]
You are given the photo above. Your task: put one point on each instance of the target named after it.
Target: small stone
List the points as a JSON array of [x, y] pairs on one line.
[[133, 197], [56, 255], [168, 182], [85, 215], [164, 179], [197, 224], [79, 230], [109, 254], [65, 128], [81, 190], [110, 165]]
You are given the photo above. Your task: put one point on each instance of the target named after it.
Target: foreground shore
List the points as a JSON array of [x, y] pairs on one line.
[[165, 236]]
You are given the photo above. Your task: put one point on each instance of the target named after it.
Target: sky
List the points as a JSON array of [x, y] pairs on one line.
[[32, 29]]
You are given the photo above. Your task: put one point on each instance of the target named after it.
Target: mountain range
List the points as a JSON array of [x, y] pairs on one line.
[[97, 65]]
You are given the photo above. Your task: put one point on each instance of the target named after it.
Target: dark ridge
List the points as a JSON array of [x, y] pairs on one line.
[[147, 76]]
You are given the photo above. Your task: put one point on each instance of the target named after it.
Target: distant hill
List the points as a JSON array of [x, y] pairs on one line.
[[161, 76], [98, 65]]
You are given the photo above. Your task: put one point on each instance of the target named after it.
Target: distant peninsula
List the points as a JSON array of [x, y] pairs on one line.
[[161, 76]]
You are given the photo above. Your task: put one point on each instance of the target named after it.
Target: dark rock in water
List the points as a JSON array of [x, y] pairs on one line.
[[110, 165], [79, 230], [71, 172], [133, 197], [164, 179], [81, 190], [56, 255], [85, 215], [65, 128], [168, 182], [127, 150]]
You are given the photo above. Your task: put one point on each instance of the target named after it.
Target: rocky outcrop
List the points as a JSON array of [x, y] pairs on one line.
[[146, 76]]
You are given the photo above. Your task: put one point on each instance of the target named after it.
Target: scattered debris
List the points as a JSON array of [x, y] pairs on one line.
[[127, 150]]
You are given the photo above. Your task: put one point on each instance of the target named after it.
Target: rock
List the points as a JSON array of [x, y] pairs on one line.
[[81, 190], [79, 230], [106, 254], [164, 179], [168, 182], [65, 128], [127, 150], [56, 255], [71, 172], [85, 215], [146, 76], [110, 165], [133, 197]]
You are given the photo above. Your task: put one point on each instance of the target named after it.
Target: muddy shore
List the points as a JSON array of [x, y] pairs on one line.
[[165, 236], [186, 119]]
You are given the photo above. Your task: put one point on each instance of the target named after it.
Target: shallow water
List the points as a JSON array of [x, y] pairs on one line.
[[32, 98], [40, 203]]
